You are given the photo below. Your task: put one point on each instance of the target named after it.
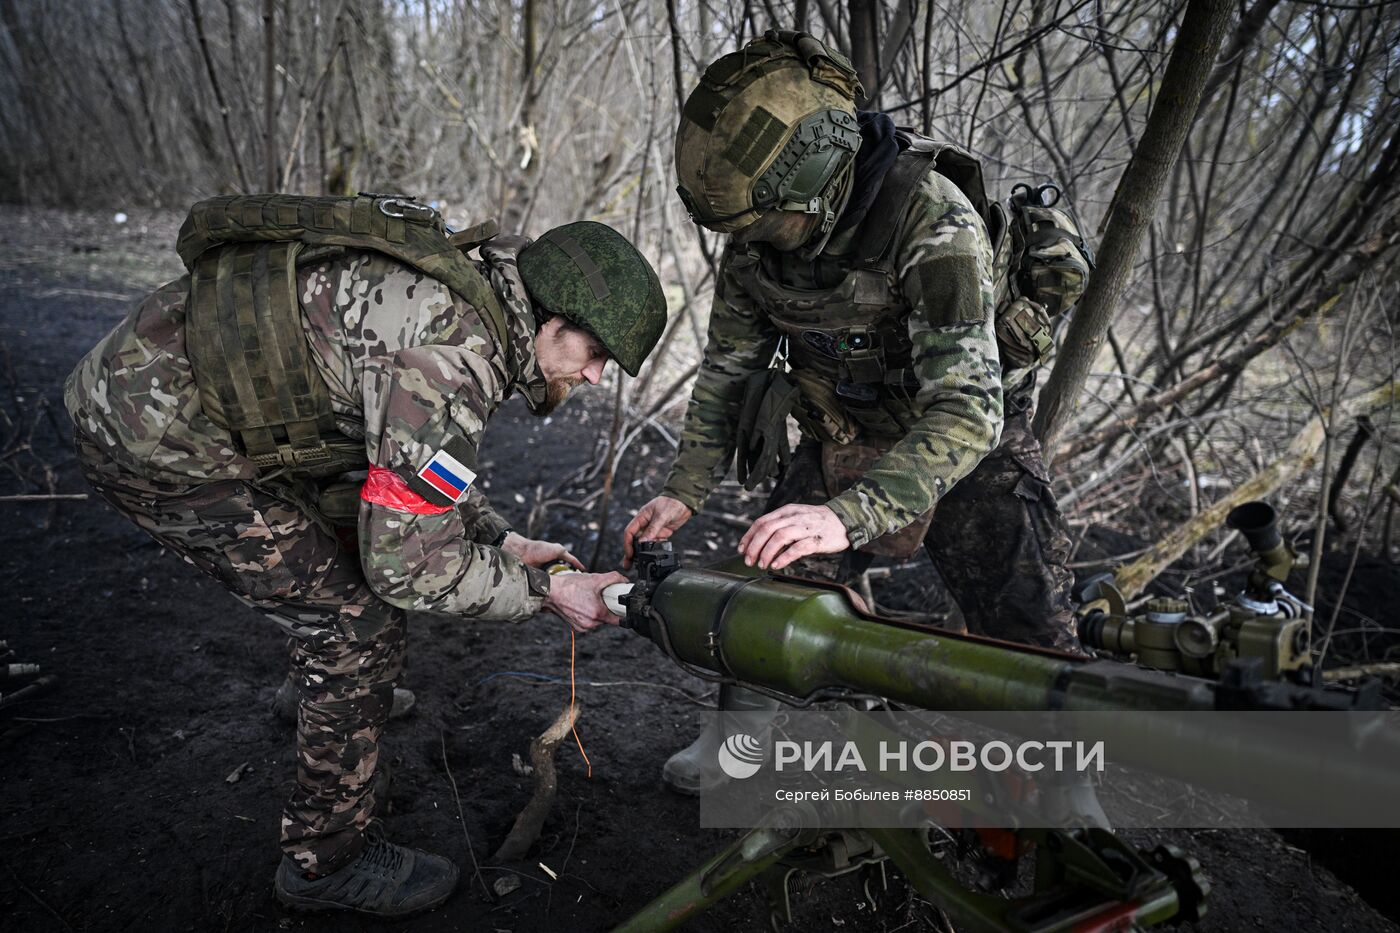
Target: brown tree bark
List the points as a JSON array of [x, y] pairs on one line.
[[1192, 61]]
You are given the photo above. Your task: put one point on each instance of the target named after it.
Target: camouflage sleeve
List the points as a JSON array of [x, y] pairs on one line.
[[740, 343], [944, 262], [422, 403], [486, 524]]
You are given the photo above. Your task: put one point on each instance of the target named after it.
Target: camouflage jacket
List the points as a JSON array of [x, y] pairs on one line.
[[942, 258], [411, 368]]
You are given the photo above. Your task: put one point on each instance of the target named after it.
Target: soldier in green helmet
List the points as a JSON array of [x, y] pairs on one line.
[[299, 418], [859, 293]]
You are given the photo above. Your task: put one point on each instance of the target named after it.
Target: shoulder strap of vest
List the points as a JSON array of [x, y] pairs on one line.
[[917, 155], [395, 225], [887, 210]]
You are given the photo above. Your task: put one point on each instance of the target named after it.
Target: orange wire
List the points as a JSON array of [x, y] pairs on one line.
[[573, 651]]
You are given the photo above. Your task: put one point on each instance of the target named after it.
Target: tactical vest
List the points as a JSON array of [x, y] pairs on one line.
[[244, 330], [848, 345]]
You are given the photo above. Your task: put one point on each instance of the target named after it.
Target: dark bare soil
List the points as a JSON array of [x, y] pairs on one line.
[[116, 811]]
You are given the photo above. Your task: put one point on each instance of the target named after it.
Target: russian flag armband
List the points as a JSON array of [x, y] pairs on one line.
[[447, 475]]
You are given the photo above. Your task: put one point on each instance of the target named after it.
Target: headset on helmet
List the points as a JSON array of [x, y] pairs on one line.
[[771, 126]]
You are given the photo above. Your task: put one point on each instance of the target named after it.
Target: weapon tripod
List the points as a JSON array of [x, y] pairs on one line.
[[1084, 880]]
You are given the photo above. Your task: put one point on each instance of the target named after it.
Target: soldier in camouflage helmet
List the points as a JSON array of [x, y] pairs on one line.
[[411, 371], [864, 254]]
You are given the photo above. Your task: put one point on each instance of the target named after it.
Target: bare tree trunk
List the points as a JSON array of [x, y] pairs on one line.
[[799, 15], [518, 192], [136, 66], [218, 94], [1198, 42], [865, 47], [901, 28], [269, 98]]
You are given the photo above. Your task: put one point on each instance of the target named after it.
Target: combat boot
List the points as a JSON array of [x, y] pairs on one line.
[[284, 702], [1070, 800], [385, 880], [694, 770]]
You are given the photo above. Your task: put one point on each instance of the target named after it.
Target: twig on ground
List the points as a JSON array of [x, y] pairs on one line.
[[699, 699], [461, 818], [38, 900], [47, 497]]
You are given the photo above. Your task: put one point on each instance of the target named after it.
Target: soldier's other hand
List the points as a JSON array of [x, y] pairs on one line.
[[657, 521], [577, 598], [538, 553], [792, 532]]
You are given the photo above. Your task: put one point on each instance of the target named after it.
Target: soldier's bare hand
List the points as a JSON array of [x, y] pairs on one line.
[[577, 598], [657, 521], [790, 533], [538, 553]]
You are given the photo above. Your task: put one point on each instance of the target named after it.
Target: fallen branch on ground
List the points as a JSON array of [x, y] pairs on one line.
[[1298, 458], [531, 819], [1379, 669], [46, 497]]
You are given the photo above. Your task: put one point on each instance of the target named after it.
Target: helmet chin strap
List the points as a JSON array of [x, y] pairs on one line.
[[831, 208]]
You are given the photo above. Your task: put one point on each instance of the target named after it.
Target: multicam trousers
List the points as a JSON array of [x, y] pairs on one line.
[[348, 646], [998, 540]]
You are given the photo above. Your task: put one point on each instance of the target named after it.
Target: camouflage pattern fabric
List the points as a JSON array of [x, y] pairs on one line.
[[348, 644], [411, 368], [998, 540], [943, 264], [1001, 545], [765, 103]]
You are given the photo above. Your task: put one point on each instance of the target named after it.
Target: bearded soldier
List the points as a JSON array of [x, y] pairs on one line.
[[316, 337], [867, 260]]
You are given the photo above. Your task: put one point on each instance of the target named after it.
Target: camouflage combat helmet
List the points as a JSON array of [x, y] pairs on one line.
[[592, 276], [772, 125]]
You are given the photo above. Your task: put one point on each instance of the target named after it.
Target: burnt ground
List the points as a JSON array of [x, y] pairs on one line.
[[115, 808]]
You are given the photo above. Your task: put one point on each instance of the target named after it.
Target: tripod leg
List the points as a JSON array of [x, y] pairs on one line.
[[748, 857]]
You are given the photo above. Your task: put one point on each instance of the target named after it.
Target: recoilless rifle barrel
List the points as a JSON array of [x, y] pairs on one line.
[[806, 641]]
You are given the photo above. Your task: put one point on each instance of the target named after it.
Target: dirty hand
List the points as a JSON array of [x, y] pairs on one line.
[[577, 598], [791, 532], [657, 521], [538, 553]]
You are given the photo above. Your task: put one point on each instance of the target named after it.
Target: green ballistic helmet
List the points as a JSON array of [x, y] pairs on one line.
[[771, 126], [592, 276]]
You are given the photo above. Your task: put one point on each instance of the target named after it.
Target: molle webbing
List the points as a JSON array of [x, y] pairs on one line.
[[875, 350], [258, 377], [396, 226], [246, 339]]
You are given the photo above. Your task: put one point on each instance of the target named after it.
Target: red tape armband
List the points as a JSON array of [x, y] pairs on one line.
[[387, 488]]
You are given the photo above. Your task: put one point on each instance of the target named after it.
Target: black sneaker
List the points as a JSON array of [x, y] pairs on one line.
[[386, 880], [284, 702]]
